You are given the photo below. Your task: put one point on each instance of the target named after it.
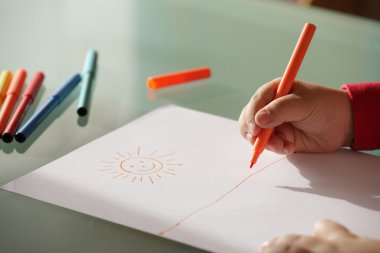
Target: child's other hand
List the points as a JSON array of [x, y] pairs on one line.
[[312, 118], [328, 237]]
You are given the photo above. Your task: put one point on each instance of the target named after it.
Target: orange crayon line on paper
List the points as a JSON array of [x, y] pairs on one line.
[[194, 212]]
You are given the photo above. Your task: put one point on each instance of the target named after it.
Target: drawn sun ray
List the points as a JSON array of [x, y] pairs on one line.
[[153, 153], [166, 155], [138, 151], [105, 169], [107, 162], [121, 155], [168, 172], [141, 166]]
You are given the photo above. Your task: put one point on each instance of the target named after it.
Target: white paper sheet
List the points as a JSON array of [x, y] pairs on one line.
[[184, 175]]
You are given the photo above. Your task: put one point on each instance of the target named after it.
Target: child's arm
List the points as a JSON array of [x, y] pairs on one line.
[[312, 118], [365, 101]]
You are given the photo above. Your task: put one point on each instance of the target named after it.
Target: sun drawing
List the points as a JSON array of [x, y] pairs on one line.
[[139, 167]]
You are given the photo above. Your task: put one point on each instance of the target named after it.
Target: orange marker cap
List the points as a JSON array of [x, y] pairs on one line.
[[170, 79]]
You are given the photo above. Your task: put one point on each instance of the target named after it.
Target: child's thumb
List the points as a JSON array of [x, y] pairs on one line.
[[284, 109]]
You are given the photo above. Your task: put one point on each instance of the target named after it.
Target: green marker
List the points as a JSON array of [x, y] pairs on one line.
[[87, 79]]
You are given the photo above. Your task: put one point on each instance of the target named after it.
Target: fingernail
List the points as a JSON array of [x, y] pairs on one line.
[[249, 137], [264, 245], [250, 127], [263, 117]]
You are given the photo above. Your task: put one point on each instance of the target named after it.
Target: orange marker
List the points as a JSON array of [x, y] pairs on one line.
[[25, 101], [170, 79], [285, 85], [5, 80], [11, 97]]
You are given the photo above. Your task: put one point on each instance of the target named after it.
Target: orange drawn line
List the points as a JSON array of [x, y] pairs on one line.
[[107, 162], [138, 150], [167, 172], [120, 155], [177, 224], [154, 152], [166, 155], [117, 176], [133, 179], [151, 180], [158, 175], [141, 179]]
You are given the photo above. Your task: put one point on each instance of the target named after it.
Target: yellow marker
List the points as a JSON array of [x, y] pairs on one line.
[[5, 80]]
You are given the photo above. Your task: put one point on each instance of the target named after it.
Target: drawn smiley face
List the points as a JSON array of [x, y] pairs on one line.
[[141, 165]]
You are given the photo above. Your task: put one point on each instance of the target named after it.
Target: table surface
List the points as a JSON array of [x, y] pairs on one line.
[[244, 42]]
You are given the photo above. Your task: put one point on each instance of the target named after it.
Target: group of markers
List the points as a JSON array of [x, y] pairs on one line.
[[10, 90], [12, 85]]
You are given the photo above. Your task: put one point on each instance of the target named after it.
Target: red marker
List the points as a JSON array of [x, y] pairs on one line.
[[285, 85], [170, 79], [11, 97], [25, 101]]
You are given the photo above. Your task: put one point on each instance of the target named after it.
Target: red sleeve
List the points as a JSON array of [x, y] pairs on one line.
[[365, 103]]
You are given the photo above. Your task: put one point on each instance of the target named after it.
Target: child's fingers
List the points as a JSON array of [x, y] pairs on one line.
[[289, 108], [297, 244], [277, 145], [261, 98], [244, 130], [330, 230]]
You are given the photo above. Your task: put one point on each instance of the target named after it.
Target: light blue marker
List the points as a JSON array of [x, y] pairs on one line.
[[88, 77], [53, 101]]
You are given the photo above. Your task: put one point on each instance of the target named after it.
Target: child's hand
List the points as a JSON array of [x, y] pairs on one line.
[[312, 118], [328, 237]]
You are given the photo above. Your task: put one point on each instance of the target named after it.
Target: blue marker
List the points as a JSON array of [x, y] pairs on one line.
[[49, 106], [88, 77]]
